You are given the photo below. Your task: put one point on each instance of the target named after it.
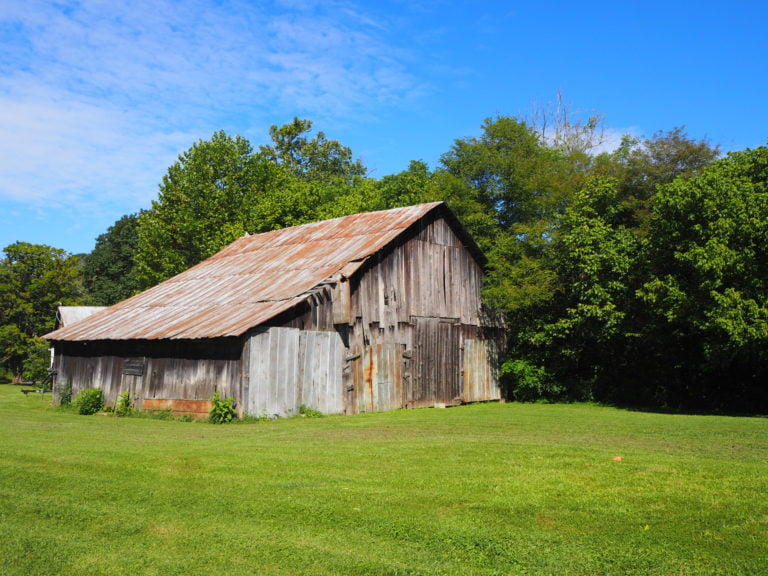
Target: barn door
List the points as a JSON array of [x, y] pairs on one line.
[[436, 370]]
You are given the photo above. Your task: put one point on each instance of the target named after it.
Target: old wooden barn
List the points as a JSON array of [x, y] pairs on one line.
[[368, 312]]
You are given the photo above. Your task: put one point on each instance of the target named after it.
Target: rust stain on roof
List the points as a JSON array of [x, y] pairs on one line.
[[249, 282]]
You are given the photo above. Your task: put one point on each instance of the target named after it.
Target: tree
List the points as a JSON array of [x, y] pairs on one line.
[[220, 189], [566, 130], [217, 191], [509, 189], [662, 158], [325, 180], [315, 159], [586, 335], [502, 170], [414, 185], [640, 166], [707, 291], [108, 274], [34, 280]]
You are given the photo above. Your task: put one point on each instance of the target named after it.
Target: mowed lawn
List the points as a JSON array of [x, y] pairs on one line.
[[481, 489]]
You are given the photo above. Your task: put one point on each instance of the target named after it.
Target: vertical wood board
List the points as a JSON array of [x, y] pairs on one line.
[[290, 367]]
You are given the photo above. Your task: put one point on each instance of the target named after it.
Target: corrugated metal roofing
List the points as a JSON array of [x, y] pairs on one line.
[[249, 282], [67, 315]]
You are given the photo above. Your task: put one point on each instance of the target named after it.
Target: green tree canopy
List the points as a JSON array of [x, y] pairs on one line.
[[708, 285], [34, 280], [640, 166], [213, 194], [509, 188], [220, 189], [108, 274], [310, 159]]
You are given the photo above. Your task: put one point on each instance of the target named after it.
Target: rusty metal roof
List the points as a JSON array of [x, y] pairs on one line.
[[250, 281]]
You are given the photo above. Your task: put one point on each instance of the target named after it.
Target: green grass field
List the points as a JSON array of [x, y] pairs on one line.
[[482, 489]]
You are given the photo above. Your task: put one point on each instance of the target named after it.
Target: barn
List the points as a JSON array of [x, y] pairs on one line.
[[369, 312]]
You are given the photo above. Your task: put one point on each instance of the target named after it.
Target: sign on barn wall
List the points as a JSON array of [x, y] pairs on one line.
[[134, 367]]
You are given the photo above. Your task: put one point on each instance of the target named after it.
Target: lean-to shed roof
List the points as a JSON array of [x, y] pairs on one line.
[[253, 279], [68, 315]]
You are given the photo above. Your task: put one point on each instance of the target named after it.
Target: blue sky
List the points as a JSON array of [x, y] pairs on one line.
[[98, 98]]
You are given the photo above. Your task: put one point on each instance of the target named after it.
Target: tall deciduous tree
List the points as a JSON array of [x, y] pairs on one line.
[[34, 280], [213, 194], [108, 274], [583, 339], [310, 159], [708, 286], [640, 166], [509, 189], [220, 189]]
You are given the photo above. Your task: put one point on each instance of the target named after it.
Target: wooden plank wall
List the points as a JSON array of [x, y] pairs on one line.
[[165, 378], [289, 367], [320, 366], [436, 363], [190, 379], [421, 278], [481, 377], [103, 372], [423, 296]]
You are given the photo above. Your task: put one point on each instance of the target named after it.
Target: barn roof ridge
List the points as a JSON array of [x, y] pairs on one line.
[[256, 278]]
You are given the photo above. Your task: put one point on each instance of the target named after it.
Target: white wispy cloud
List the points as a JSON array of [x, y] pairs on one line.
[[97, 98]]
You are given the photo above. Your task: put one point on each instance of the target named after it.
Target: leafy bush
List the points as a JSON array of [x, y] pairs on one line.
[[124, 405], [223, 410], [530, 382], [308, 412], [89, 401], [65, 393]]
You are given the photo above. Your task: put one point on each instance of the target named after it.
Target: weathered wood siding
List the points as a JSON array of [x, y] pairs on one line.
[[105, 372], [482, 359], [288, 367], [376, 377], [190, 379], [316, 313], [437, 366], [428, 275], [412, 312], [194, 378]]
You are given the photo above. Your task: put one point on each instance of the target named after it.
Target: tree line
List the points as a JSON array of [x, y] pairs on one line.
[[637, 276]]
